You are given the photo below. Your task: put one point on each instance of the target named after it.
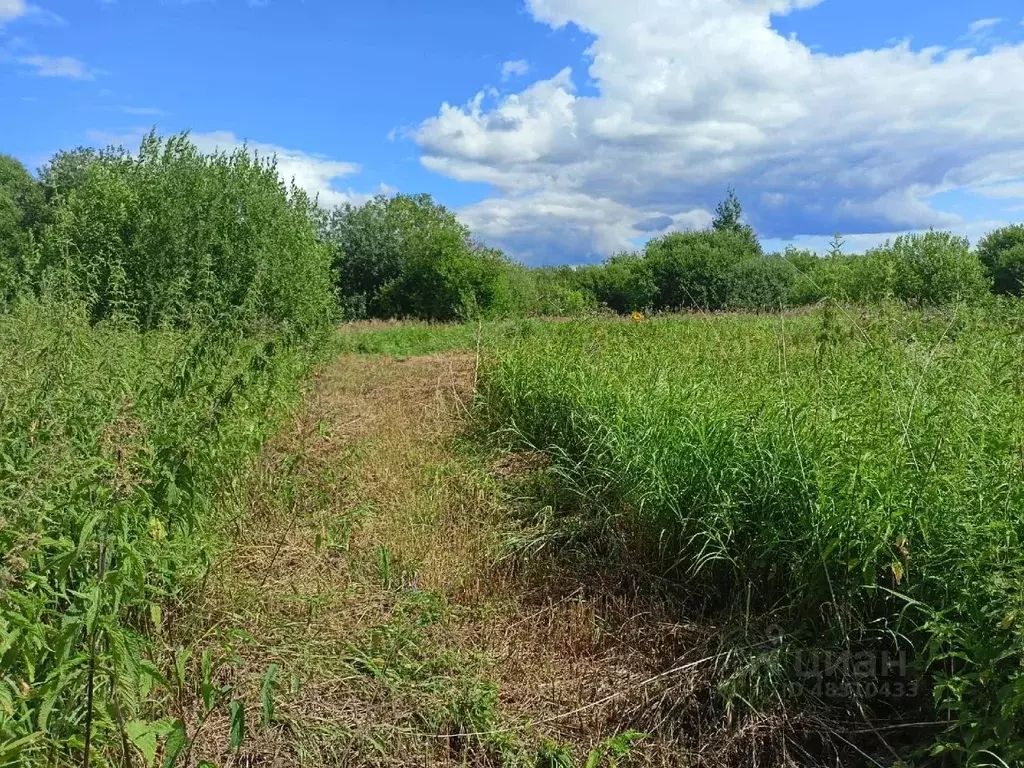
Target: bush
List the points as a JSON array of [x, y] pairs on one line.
[[172, 237], [1002, 253], [624, 283], [560, 294], [374, 244], [762, 284], [445, 279], [695, 270], [935, 268]]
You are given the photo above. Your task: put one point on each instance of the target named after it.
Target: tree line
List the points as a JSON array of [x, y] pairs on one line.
[[169, 236]]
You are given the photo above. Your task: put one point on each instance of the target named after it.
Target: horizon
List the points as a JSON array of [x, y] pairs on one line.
[[560, 131]]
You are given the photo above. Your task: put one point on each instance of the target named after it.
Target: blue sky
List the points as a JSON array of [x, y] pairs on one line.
[[560, 130]]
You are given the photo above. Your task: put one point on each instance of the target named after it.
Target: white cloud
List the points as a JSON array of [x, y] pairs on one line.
[[12, 9], [20, 9], [1011, 190], [694, 96], [596, 227], [58, 66], [981, 25], [517, 68]]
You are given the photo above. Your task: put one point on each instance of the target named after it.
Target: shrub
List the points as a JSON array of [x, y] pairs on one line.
[[935, 268], [172, 237], [375, 243], [762, 284], [1002, 253], [870, 277], [444, 279], [559, 293], [623, 283], [695, 270]]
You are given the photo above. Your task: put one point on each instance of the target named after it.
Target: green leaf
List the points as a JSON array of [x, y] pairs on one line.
[[237, 724], [13, 749], [207, 667], [85, 534], [209, 694], [141, 734], [267, 694], [176, 741], [180, 661]]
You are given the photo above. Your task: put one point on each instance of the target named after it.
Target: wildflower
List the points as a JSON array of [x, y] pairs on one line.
[[638, 317]]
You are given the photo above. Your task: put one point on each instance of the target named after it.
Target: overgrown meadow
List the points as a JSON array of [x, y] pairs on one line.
[[146, 353], [838, 479], [838, 484]]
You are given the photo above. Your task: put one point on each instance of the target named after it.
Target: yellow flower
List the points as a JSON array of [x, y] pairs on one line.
[[638, 317]]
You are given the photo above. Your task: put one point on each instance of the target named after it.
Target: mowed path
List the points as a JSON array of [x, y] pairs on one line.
[[368, 567]]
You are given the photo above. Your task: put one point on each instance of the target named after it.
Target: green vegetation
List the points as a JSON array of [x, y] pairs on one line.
[[409, 257], [856, 481], [163, 310], [852, 476], [1002, 253]]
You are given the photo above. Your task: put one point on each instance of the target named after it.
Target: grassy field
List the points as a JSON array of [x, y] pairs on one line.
[[724, 540], [835, 482]]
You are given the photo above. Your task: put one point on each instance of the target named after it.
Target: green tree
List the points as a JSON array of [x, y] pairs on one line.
[[67, 170], [695, 270], [171, 237], [22, 208], [1002, 253], [936, 268], [729, 218], [373, 244]]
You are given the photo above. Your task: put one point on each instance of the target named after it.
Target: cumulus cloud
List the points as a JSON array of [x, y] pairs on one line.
[[595, 227], [517, 68], [694, 96]]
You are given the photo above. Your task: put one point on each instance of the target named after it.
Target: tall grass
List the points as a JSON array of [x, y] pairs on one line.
[[857, 480], [115, 448]]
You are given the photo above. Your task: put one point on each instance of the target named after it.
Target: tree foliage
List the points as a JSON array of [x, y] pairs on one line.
[[21, 211], [171, 237], [407, 256], [1002, 253]]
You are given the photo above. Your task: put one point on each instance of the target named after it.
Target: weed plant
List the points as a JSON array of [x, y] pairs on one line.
[[855, 479]]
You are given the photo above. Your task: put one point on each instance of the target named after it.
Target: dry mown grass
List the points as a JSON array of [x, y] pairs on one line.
[[368, 565]]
